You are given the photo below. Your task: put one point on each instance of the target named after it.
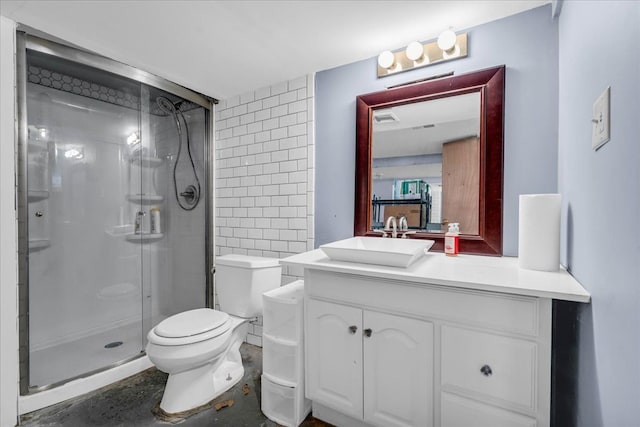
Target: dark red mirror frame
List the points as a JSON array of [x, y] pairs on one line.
[[490, 84]]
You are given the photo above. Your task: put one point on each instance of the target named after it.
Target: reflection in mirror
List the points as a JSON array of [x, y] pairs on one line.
[[426, 164]]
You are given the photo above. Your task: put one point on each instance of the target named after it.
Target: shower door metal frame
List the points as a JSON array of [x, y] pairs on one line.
[[26, 42]]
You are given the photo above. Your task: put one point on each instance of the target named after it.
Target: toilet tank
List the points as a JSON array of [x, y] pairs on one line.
[[240, 281]]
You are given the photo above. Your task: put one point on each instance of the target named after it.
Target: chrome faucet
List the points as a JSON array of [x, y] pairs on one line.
[[391, 222], [403, 225]]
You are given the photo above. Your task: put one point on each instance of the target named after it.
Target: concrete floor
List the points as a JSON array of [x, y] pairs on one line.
[[134, 402]]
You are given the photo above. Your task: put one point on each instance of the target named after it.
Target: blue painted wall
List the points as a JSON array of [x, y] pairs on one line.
[[526, 43], [599, 47]]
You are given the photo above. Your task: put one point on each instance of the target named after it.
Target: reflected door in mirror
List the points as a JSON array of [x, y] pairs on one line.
[[461, 184]]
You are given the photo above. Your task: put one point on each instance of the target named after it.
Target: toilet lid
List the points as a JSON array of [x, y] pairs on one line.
[[192, 322]]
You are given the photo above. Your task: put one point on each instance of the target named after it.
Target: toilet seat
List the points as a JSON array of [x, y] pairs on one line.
[[190, 327]]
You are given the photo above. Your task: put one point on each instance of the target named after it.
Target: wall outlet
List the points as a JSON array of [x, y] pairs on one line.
[[600, 133]]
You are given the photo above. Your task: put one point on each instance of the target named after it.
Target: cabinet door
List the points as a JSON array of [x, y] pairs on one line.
[[334, 356], [398, 371]]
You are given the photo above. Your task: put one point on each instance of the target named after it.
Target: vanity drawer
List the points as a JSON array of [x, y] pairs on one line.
[[494, 368], [459, 412]]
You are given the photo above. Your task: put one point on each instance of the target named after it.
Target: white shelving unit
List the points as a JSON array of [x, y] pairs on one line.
[[283, 398]]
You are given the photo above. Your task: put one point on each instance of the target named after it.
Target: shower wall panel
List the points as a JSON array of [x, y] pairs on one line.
[[184, 264]]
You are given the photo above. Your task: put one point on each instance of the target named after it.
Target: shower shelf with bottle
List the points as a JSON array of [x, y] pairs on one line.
[[142, 231]]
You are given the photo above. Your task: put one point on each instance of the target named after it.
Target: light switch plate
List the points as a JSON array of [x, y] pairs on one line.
[[600, 133]]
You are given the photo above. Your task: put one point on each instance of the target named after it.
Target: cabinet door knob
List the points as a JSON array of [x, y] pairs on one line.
[[367, 332], [353, 329], [486, 370], [39, 214]]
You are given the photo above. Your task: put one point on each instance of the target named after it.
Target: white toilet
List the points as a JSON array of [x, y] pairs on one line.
[[200, 349]]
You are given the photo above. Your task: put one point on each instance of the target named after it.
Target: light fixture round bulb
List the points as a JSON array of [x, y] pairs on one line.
[[414, 51], [447, 40], [386, 59]]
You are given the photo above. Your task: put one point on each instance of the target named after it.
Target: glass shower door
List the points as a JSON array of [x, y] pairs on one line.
[[114, 212], [85, 293]]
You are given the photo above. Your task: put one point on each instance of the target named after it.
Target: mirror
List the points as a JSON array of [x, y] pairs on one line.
[[417, 150], [432, 152]]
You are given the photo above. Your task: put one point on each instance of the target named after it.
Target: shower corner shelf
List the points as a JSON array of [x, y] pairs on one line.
[[37, 244], [37, 195], [146, 161], [144, 237], [144, 198], [120, 230]]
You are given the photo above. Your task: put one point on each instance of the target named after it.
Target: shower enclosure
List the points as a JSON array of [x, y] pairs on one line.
[[114, 210]]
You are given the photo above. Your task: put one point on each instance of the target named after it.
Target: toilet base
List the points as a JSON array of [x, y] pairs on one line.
[[196, 387]]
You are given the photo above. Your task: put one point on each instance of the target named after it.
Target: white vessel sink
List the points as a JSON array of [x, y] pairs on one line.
[[376, 250]]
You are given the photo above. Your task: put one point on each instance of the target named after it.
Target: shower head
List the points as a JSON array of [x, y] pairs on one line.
[[167, 106]]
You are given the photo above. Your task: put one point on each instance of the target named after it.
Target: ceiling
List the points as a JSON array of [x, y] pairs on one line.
[[424, 126], [226, 48]]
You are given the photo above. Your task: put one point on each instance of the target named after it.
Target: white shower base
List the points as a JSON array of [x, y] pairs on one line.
[[81, 386], [71, 359]]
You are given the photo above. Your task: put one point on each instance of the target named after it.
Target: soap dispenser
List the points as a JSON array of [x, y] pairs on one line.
[[452, 239]]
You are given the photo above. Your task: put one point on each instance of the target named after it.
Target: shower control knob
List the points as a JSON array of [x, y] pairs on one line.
[[39, 214]]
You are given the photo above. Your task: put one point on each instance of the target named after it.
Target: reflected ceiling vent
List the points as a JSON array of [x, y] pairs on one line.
[[385, 116]]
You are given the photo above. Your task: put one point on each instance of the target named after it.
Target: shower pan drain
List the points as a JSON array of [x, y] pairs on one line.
[[113, 344]]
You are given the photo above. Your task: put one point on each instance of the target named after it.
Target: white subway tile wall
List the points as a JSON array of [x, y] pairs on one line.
[[264, 175]]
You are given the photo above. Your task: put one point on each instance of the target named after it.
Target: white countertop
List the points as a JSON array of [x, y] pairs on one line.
[[496, 274]]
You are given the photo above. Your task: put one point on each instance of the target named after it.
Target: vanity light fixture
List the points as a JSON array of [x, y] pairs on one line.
[[448, 46], [415, 52], [386, 60], [447, 40]]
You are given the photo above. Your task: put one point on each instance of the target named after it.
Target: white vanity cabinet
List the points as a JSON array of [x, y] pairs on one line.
[[370, 365], [463, 342]]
